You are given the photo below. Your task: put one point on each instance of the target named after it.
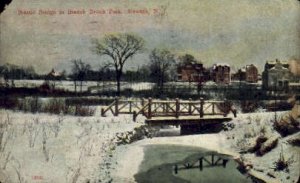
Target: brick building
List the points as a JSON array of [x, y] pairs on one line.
[[249, 73], [220, 73], [192, 72]]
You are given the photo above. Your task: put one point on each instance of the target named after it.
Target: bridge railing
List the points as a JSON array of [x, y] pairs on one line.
[[122, 107], [163, 108]]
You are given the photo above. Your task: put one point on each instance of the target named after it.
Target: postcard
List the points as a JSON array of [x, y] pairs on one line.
[[149, 91]]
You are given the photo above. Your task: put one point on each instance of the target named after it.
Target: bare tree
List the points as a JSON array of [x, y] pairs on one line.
[[79, 72], [119, 47], [161, 62], [101, 71]]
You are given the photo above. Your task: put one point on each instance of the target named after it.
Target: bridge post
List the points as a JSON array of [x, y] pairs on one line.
[[233, 111], [201, 107], [212, 160], [116, 106], [213, 108], [190, 106], [143, 103], [201, 164], [176, 169], [134, 116], [102, 112], [149, 108], [224, 162], [177, 107], [130, 106]]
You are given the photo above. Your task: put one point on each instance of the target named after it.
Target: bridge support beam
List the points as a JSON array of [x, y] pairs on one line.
[[149, 108], [177, 108], [116, 106], [190, 106], [201, 108]]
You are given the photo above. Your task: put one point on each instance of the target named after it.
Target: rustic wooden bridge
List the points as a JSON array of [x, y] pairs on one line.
[[173, 112]]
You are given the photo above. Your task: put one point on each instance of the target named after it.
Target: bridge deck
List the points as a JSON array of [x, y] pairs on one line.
[[187, 120]]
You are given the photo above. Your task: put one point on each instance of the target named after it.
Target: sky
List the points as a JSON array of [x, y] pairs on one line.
[[236, 32]]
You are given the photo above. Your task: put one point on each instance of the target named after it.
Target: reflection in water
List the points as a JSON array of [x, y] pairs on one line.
[[160, 161], [202, 162]]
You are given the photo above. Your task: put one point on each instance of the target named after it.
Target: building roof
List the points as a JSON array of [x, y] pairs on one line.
[[251, 65], [222, 64], [278, 66], [53, 75], [273, 62], [243, 69]]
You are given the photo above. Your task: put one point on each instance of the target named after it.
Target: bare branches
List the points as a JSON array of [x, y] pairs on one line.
[[45, 149], [33, 131], [55, 128], [75, 172], [7, 132], [17, 167], [160, 64], [7, 157], [79, 71], [119, 47]]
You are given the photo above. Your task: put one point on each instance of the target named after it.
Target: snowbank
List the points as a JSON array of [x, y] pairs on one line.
[[53, 148]]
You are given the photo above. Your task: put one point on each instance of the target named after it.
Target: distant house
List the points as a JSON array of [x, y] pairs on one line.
[[249, 73], [276, 75], [271, 64], [220, 73], [192, 72], [51, 77], [240, 75]]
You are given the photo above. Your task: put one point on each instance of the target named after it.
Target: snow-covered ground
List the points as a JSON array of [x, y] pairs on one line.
[[53, 148], [248, 128]]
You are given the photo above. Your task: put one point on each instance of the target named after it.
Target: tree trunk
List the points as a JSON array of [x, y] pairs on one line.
[[81, 86], [162, 82], [118, 78], [12, 83], [75, 85]]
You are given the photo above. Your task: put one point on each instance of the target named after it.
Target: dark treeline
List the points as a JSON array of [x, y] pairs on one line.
[[139, 75], [13, 72], [9, 71]]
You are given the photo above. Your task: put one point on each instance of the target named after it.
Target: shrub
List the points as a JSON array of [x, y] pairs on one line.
[[287, 125], [84, 111], [55, 106], [282, 164]]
